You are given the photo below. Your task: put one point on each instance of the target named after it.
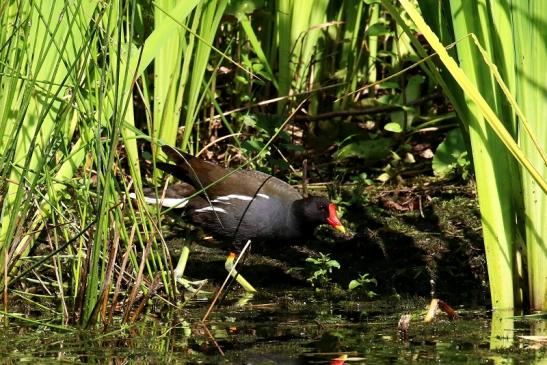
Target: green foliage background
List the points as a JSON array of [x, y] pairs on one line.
[[83, 83]]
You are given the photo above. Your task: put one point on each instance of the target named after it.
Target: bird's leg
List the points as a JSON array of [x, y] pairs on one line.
[[230, 267], [179, 271]]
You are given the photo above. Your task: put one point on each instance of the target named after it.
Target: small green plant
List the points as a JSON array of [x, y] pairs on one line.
[[362, 284], [451, 158], [321, 268]]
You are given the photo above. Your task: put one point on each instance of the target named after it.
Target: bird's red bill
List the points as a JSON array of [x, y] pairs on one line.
[[333, 219]]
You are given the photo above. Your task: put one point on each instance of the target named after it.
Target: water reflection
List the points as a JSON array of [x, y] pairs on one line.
[[300, 328]]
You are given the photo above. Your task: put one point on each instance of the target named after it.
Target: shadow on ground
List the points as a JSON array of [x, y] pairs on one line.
[[434, 249]]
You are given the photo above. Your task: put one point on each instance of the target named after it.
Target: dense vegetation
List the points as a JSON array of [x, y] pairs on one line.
[[349, 89]]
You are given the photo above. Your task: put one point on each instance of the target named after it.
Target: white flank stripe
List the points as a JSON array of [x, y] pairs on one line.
[[181, 202], [225, 198], [235, 196], [210, 209], [167, 202]]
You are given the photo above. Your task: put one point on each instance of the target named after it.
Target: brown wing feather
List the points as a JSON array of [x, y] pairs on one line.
[[226, 181]]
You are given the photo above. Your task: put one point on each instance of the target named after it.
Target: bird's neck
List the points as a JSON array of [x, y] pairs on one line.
[[298, 219]]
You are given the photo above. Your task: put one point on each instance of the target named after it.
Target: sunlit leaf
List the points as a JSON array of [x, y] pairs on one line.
[[446, 157]]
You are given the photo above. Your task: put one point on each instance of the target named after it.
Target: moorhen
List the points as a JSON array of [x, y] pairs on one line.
[[240, 205]]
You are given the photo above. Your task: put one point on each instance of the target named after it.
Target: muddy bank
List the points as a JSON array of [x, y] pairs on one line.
[[414, 240]]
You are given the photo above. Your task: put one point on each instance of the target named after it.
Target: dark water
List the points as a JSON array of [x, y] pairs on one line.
[[285, 328]]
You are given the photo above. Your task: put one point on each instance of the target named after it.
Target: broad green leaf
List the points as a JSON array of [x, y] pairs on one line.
[[393, 127], [353, 284], [378, 29], [449, 151]]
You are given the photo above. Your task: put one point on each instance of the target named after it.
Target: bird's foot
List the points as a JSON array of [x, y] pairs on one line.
[[230, 267], [192, 286]]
